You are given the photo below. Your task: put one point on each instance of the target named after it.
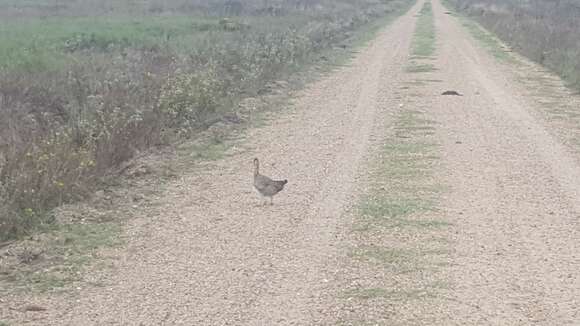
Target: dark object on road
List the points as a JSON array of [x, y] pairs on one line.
[[451, 93], [33, 307]]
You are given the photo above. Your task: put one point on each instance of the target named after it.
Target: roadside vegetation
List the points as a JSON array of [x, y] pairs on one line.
[[547, 32], [85, 85]]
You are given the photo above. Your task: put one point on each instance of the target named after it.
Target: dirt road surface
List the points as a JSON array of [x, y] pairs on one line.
[[209, 255]]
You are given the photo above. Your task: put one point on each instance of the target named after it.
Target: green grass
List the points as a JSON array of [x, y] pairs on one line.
[[416, 82], [403, 190], [415, 67], [423, 45], [208, 151], [391, 295], [432, 80], [400, 260], [44, 44], [391, 209], [65, 251]]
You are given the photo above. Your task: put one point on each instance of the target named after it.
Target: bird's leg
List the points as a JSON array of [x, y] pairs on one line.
[[271, 200]]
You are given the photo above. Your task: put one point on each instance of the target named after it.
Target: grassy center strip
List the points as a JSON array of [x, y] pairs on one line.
[[401, 183], [401, 249], [400, 233], [423, 45]]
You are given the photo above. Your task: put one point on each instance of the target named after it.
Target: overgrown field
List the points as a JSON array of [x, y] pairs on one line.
[[547, 32], [87, 84]]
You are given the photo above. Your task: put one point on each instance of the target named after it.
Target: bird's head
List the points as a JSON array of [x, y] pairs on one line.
[[256, 165]]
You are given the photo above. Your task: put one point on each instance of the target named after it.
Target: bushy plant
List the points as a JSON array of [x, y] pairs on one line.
[[187, 99]]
